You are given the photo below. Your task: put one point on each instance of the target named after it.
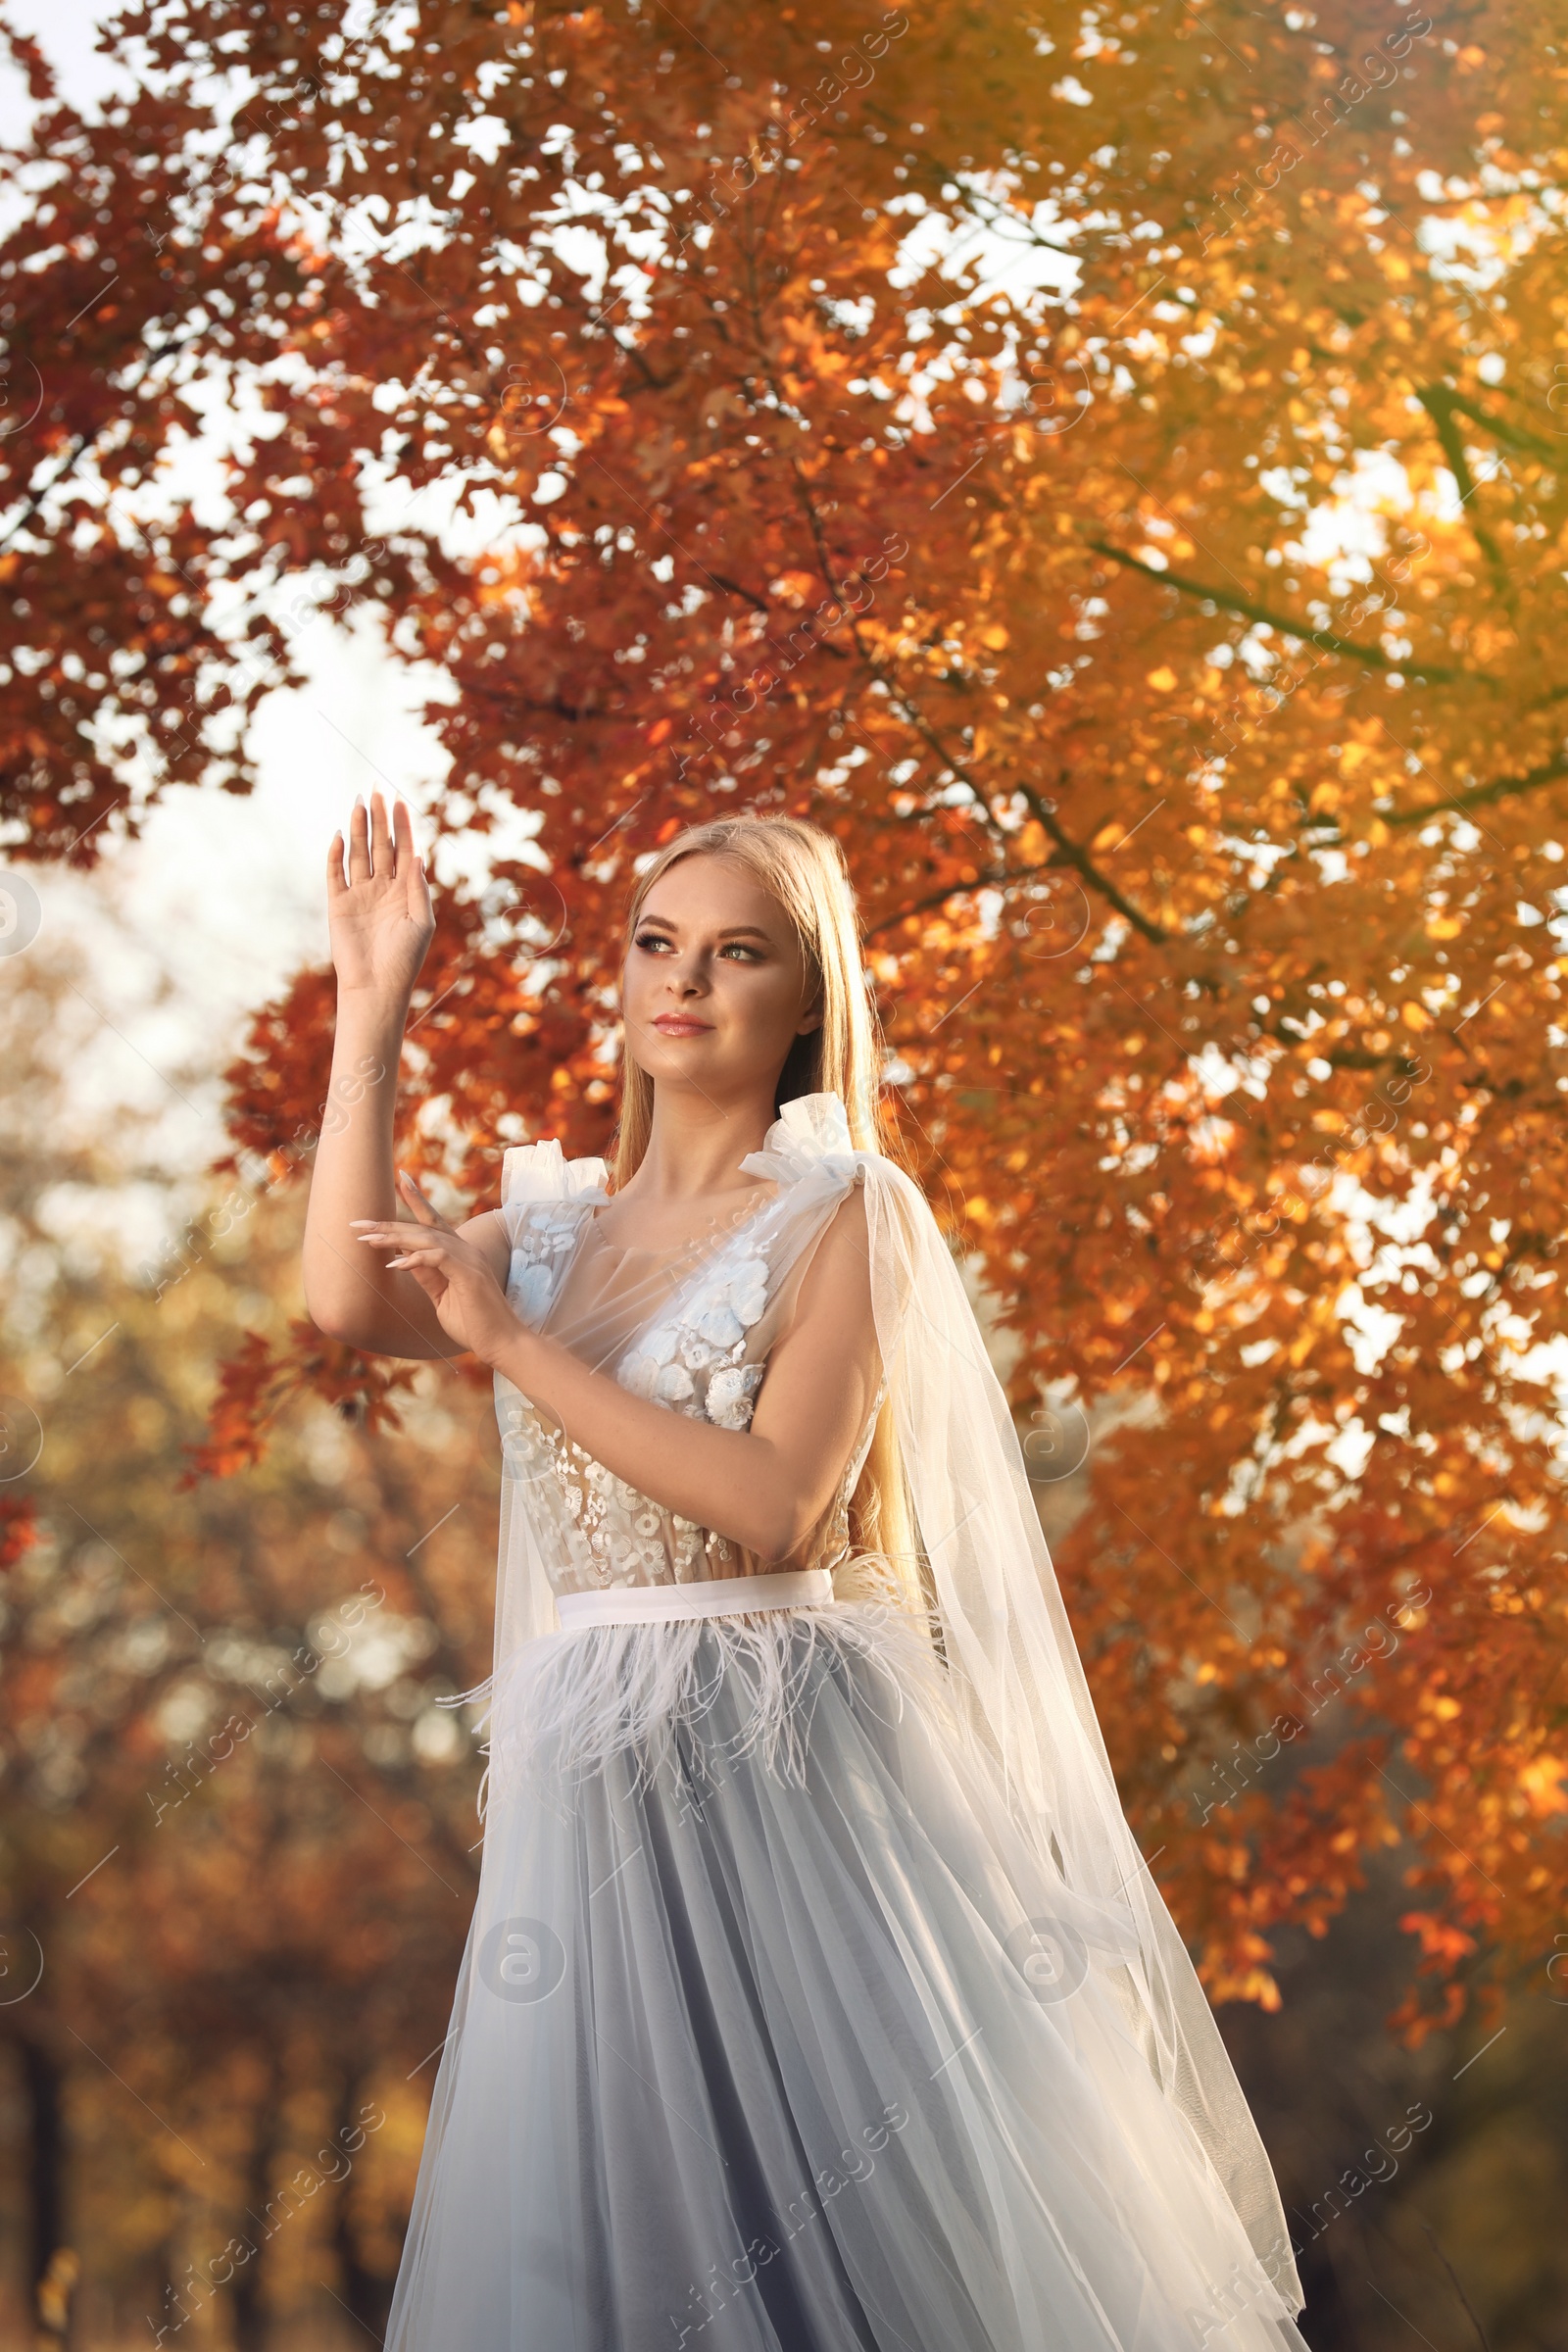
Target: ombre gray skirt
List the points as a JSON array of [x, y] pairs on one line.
[[773, 2034]]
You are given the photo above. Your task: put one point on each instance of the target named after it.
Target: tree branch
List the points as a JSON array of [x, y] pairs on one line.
[[1372, 656], [1512, 436], [1482, 796], [998, 879], [1082, 864], [1440, 405]]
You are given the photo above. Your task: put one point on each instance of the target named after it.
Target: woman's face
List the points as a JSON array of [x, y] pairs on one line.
[[714, 987]]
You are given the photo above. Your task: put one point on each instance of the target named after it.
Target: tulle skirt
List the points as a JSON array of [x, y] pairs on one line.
[[774, 2034]]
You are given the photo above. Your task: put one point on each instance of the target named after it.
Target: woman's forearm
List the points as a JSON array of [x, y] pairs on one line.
[[737, 1484], [349, 1293]]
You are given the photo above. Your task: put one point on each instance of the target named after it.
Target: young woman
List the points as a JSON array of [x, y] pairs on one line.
[[818, 1995]]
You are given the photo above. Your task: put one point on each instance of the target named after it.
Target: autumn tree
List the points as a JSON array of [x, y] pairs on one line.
[[1106, 465]]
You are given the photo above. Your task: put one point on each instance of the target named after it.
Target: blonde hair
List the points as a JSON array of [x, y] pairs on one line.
[[803, 871]]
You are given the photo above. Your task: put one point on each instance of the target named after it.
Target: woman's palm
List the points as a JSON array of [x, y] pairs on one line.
[[381, 918]]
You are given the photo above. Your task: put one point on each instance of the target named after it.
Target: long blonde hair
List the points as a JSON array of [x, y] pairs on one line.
[[803, 871]]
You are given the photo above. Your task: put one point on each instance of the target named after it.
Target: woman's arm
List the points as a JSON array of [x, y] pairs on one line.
[[764, 1487], [381, 925]]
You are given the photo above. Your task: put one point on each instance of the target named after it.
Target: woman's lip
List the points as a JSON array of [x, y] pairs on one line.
[[675, 1026]]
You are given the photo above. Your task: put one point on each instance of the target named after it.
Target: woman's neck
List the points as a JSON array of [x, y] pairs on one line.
[[695, 1147]]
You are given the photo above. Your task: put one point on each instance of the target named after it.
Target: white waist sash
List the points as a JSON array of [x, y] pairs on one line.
[[718, 1596]]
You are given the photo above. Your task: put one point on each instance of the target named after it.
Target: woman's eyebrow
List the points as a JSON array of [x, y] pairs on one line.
[[733, 931]]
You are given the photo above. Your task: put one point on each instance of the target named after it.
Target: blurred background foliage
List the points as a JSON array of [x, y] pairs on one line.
[[238, 1828]]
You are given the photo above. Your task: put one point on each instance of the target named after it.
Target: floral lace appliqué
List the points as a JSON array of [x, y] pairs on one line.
[[692, 1361], [540, 1255]]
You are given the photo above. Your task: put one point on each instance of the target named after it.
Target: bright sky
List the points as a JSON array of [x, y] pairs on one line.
[[65, 30], [221, 896]]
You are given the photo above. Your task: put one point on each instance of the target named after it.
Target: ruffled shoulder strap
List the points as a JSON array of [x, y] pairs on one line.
[[541, 1171], [810, 1135]]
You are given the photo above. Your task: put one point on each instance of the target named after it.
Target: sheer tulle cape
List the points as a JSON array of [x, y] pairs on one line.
[[1015, 1666]]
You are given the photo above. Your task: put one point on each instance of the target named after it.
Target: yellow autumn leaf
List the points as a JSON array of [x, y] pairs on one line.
[[1543, 1784]]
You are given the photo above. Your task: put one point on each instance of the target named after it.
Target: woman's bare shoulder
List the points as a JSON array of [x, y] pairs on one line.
[[835, 1287]]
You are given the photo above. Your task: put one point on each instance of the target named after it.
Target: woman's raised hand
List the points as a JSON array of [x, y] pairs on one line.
[[381, 927], [381, 918]]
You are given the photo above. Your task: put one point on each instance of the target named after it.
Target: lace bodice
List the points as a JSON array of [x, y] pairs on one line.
[[690, 1328]]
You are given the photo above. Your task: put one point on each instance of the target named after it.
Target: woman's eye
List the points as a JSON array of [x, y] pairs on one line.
[[736, 946]]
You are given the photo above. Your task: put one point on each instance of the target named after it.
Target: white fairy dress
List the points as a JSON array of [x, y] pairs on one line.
[[816, 1997]]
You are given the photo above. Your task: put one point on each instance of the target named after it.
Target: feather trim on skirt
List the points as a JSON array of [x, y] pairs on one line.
[[581, 1697]]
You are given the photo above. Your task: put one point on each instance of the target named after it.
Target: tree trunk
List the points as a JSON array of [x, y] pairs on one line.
[[368, 2293], [250, 2310], [46, 2083]]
